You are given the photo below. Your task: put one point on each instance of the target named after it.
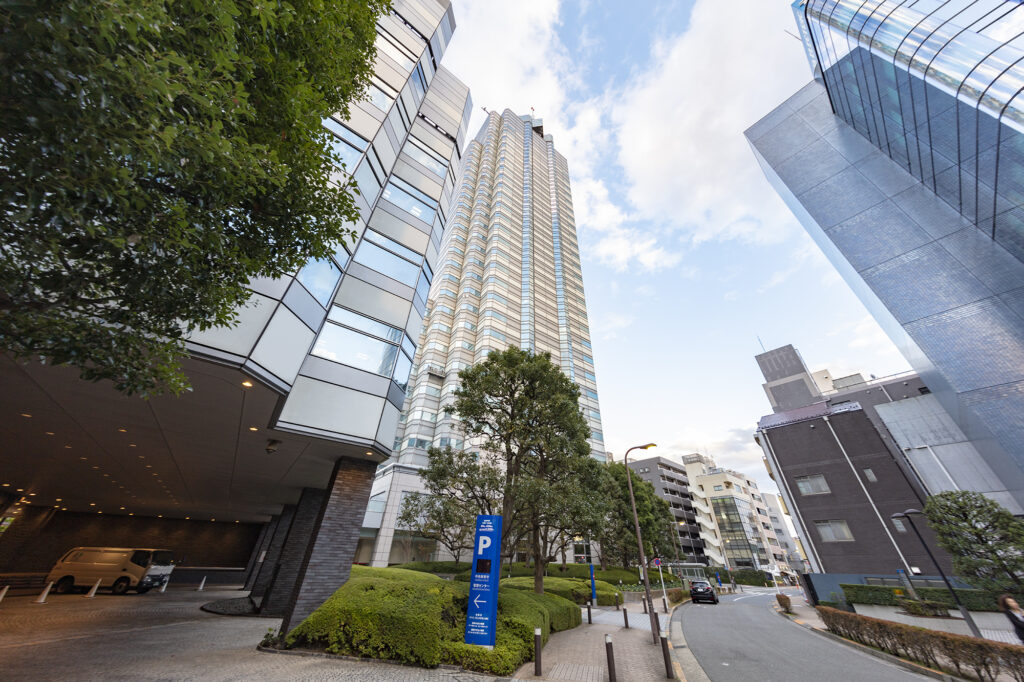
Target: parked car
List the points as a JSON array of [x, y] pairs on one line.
[[117, 568], [701, 590]]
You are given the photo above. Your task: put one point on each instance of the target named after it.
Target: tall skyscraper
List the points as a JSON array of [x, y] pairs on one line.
[[904, 161], [292, 408], [509, 275]]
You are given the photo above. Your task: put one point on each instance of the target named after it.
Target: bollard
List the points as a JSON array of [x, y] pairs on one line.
[[644, 600], [536, 652], [3, 592], [664, 604], [611, 656], [625, 616], [668, 658], [163, 588], [92, 592], [41, 599], [616, 601], [202, 584], [590, 616]]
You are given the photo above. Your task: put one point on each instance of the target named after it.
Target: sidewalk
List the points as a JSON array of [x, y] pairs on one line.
[[578, 655], [803, 614]]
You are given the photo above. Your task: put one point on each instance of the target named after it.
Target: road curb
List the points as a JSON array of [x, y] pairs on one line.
[[377, 661], [895, 660], [682, 653]]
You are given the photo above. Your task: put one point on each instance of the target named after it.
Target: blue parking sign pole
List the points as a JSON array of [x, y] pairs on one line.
[[482, 611], [593, 587]]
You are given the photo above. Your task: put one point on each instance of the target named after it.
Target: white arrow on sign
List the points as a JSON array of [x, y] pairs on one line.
[[476, 601]]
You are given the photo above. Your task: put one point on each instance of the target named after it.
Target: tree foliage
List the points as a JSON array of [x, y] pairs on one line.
[[617, 535], [985, 540], [155, 156]]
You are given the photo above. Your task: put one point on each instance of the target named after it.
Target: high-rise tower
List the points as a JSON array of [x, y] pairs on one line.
[[509, 275]]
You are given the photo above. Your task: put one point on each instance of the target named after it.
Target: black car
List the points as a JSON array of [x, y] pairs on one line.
[[701, 590]]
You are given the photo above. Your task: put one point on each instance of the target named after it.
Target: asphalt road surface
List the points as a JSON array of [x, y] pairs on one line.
[[743, 639]]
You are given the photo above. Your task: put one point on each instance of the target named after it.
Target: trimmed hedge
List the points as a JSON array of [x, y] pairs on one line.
[[418, 618], [743, 576], [436, 567], [676, 595], [784, 602], [574, 590], [973, 600], [522, 570], [982, 657]]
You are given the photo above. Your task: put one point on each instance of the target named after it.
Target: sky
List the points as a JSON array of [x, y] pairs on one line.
[[690, 259]]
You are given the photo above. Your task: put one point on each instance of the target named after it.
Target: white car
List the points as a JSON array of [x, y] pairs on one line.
[[117, 568]]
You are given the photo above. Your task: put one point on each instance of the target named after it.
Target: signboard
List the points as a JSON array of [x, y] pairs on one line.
[[657, 561], [482, 612], [593, 587]]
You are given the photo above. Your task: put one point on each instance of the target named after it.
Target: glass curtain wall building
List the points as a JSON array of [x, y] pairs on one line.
[[904, 161], [509, 275]]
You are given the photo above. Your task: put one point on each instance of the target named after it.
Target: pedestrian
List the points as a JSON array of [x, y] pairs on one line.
[[1009, 606]]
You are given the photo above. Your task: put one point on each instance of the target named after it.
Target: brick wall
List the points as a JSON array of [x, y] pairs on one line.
[[39, 537], [304, 525]]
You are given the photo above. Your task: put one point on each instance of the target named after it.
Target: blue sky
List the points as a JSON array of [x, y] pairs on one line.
[[688, 255]]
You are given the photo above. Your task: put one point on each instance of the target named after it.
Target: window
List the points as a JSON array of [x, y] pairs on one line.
[[834, 531], [812, 485], [355, 349], [408, 198], [718, 487], [899, 525], [140, 557], [433, 161], [379, 253], [381, 95], [870, 475], [348, 146], [320, 277]]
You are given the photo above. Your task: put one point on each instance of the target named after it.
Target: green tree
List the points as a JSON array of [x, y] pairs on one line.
[[617, 536], [459, 485], [156, 155], [985, 540], [525, 413]]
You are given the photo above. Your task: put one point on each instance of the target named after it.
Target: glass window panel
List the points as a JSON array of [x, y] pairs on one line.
[[392, 50], [408, 346], [392, 245], [402, 368], [378, 97], [423, 288], [387, 263], [320, 277], [363, 323], [426, 156], [355, 349], [408, 203]]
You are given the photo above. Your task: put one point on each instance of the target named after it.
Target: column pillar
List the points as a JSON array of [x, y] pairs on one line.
[[259, 551], [266, 570], [289, 565], [328, 558]]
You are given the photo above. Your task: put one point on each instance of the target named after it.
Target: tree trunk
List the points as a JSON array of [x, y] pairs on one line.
[[538, 562], [563, 554]]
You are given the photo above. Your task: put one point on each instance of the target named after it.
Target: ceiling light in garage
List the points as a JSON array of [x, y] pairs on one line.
[[92, 504], [213, 519], [253, 428], [122, 507], [369, 453], [247, 384], [49, 433], [31, 494], [59, 499], [20, 490], [131, 513], [99, 512], [131, 445], [159, 516], [67, 447], [123, 430], [6, 485], [25, 414]]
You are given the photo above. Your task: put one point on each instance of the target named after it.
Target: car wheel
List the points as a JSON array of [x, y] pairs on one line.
[[142, 590], [120, 586], [715, 602], [65, 585]]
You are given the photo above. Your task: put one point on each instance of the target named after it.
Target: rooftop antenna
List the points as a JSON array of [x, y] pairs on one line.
[[763, 349], [531, 112]]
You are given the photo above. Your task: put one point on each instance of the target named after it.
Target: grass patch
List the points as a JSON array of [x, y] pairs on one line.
[[573, 589], [415, 617]]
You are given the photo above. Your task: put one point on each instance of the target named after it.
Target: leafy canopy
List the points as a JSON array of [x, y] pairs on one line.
[[617, 536], [985, 540], [155, 156]]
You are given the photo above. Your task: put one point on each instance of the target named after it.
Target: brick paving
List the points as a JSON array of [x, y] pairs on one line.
[[578, 655]]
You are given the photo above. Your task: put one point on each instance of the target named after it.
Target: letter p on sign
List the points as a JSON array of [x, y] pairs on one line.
[[485, 542]]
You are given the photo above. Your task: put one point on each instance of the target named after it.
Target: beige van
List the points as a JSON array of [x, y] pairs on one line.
[[118, 568]]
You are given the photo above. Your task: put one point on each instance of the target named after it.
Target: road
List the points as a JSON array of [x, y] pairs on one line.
[[743, 638]]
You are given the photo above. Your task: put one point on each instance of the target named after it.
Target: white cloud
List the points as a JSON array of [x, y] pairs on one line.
[[680, 126], [609, 326]]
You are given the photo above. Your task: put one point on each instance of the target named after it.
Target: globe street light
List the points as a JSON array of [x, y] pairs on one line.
[[909, 516], [640, 544]]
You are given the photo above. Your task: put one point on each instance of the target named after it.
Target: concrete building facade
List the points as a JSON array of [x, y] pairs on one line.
[[509, 274], [293, 408], [903, 161], [671, 484]]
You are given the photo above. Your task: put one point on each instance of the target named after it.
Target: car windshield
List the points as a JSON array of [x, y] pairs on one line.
[[701, 584], [162, 558]]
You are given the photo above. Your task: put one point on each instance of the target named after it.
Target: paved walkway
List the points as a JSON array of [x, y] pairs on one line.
[[578, 655]]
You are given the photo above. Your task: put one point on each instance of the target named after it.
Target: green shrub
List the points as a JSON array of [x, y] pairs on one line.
[[574, 590], [784, 602], [418, 618], [613, 574], [743, 576], [973, 600], [916, 607], [677, 595], [436, 567], [982, 657]]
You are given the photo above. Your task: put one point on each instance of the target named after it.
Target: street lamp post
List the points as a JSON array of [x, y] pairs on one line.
[[909, 516], [640, 543]]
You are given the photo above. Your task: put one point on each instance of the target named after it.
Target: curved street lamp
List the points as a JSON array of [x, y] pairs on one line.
[[655, 630], [909, 516]]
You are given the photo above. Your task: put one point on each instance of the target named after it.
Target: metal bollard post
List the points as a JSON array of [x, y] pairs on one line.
[[644, 600], [611, 657], [664, 604], [616, 601], [41, 599], [536, 652], [668, 658], [625, 616], [92, 592], [202, 584], [3, 592], [590, 616]]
